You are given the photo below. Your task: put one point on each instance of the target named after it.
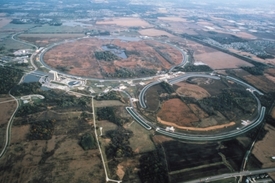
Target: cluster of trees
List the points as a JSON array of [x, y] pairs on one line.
[[166, 56], [167, 87], [30, 108], [227, 102], [110, 114], [127, 73], [62, 68], [106, 56], [42, 130], [112, 95], [153, 168], [120, 145], [88, 142], [128, 53], [52, 98], [26, 88], [258, 71], [123, 73], [194, 68], [9, 77], [265, 56], [97, 33]]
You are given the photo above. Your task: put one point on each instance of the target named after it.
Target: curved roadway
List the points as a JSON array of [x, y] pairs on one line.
[[184, 61], [191, 137], [8, 129]]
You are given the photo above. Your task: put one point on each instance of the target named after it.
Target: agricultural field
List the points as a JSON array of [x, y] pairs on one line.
[[215, 59], [263, 82], [154, 32], [125, 22], [204, 159], [263, 150]]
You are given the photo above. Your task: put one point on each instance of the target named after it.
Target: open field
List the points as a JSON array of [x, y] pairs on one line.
[[16, 27], [191, 90], [185, 161], [245, 35], [6, 109], [59, 159], [46, 39], [154, 32], [57, 29], [266, 61], [141, 141], [19, 133], [183, 27], [177, 112], [175, 19], [264, 83], [125, 22], [270, 71], [215, 59], [264, 149], [261, 82], [140, 55], [4, 22], [12, 45]]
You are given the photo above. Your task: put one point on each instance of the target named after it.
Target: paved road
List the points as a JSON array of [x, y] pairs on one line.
[[230, 175], [8, 129], [220, 136], [138, 118], [21, 41], [191, 137], [98, 144]]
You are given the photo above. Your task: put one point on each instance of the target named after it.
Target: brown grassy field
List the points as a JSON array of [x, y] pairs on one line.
[[198, 111], [191, 90], [267, 61], [261, 82], [245, 35], [183, 27], [177, 112], [264, 149], [154, 32], [215, 59], [82, 62], [125, 22]]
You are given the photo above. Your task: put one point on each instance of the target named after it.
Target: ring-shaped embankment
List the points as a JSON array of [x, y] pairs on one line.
[[208, 137], [112, 58]]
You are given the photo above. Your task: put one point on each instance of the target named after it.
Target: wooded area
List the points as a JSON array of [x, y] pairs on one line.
[[9, 77]]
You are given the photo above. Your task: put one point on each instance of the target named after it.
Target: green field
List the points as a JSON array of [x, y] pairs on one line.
[[57, 29]]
